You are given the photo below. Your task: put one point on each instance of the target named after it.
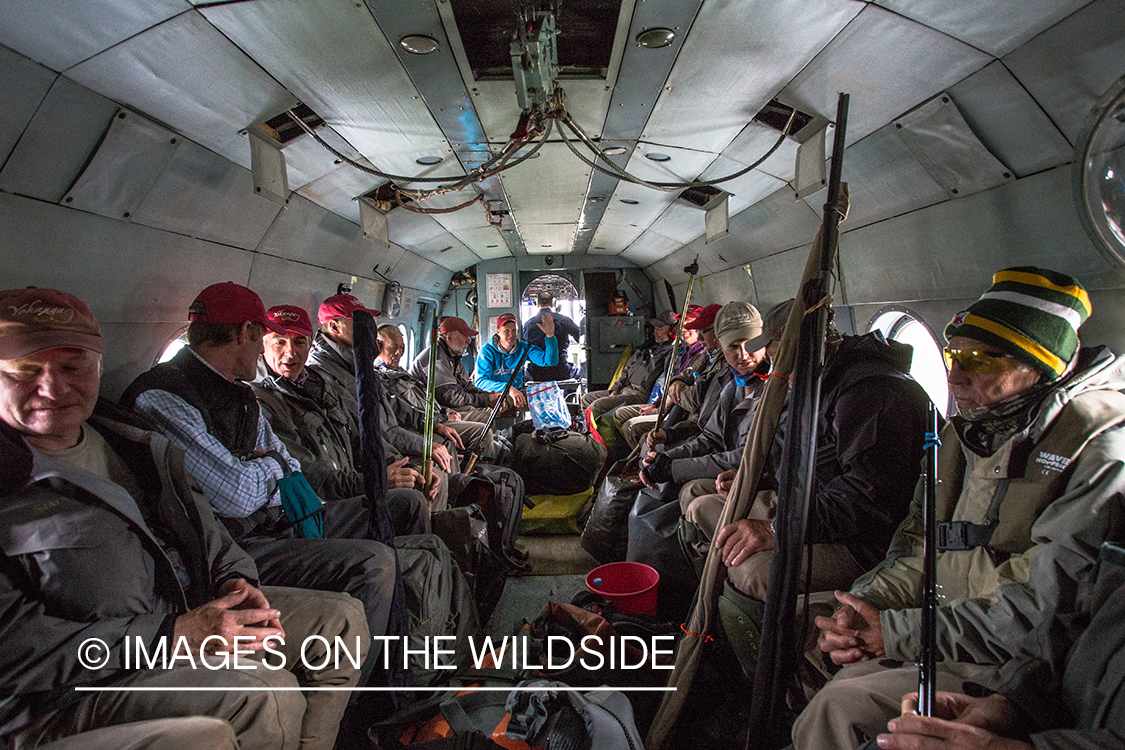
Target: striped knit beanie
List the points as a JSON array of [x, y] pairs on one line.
[[1030, 313]]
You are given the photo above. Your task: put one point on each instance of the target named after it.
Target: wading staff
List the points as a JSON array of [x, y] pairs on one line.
[[474, 454], [775, 668], [691, 270], [926, 667]]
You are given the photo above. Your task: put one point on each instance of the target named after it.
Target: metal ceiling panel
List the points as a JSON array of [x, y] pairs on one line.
[[413, 230], [23, 85], [647, 209], [649, 248], [777, 223], [778, 277], [549, 189], [62, 33], [888, 64], [189, 76], [127, 272], [996, 27], [611, 239], [1026, 222], [126, 166], [311, 234], [940, 140], [201, 194], [765, 43], [727, 286], [58, 142], [991, 100], [748, 189], [448, 252], [885, 180], [754, 142], [684, 164], [419, 273], [334, 57], [486, 242], [307, 161], [671, 267], [338, 189], [1069, 66], [681, 222], [284, 282], [548, 239]]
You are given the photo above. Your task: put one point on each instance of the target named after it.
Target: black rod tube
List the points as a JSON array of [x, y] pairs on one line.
[[926, 666]]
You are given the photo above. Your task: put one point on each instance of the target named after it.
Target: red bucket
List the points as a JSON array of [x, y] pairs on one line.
[[631, 586]]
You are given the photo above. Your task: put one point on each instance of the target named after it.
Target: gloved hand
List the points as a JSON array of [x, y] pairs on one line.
[[659, 469]]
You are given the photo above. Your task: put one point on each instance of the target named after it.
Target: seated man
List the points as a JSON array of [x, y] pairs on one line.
[[108, 543], [454, 389], [405, 400], [641, 418], [743, 339], [871, 425], [498, 358], [1030, 484], [316, 427], [565, 330], [199, 401], [331, 353], [641, 371]]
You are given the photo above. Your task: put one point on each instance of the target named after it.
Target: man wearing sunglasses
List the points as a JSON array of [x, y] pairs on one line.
[[1031, 481]]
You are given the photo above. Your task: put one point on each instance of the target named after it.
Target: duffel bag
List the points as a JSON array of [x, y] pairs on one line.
[[653, 539], [564, 466], [606, 535]]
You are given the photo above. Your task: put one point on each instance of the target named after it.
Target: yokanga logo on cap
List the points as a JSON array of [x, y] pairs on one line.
[[287, 315], [40, 313]]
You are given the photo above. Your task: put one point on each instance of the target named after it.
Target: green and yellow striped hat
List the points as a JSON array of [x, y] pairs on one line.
[[1030, 313]]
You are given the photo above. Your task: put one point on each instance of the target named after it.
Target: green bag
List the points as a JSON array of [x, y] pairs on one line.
[[303, 509]]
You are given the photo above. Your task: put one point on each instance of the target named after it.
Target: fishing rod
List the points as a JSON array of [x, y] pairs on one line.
[[691, 270], [775, 667], [474, 454], [926, 665], [431, 393]]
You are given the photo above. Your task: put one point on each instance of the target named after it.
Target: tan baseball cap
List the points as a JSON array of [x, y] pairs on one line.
[[35, 319]]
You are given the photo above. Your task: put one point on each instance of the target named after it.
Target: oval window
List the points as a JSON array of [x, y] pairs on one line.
[[927, 367]]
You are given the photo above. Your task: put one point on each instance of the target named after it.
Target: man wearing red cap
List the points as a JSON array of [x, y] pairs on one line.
[[454, 388], [107, 543], [316, 427], [499, 358], [331, 352], [200, 400]]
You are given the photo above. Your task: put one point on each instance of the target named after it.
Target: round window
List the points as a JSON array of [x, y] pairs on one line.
[[927, 367]]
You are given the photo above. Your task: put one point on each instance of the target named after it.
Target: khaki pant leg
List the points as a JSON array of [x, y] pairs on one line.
[[636, 428], [187, 733], [859, 701], [609, 403], [697, 488], [329, 615], [261, 718], [623, 414], [472, 414], [470, 431], [592, 396]]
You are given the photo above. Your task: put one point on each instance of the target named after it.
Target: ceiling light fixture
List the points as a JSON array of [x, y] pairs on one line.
[[419, 44], [614, 150], [629, 201], [655, 38], [654, 156], [427, 161]]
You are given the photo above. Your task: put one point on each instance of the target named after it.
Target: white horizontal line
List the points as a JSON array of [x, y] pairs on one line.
[[470, 689]]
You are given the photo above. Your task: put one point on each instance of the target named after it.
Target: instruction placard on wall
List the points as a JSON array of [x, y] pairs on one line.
[[499, 289]]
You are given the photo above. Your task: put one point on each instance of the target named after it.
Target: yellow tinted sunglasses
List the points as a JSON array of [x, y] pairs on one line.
[[977, 362]]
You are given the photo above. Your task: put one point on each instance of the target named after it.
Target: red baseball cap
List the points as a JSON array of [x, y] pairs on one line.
[[294, 319], [230, 303], [456, 324], [341, 306], [505, 319], [704, 319], [34, 319]]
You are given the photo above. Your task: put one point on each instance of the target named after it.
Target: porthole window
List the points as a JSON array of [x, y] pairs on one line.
[[927, 366], [407, 344], [177, 342]]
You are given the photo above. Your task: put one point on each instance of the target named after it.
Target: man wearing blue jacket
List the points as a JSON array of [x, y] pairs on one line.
[[499, 357]]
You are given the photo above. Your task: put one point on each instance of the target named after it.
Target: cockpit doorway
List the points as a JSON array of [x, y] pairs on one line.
[[566, 302]]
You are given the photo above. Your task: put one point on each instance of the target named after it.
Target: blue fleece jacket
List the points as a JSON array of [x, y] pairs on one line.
[[494, 365]]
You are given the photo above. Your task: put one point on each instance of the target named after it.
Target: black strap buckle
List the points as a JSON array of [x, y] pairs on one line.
[[962, 535]]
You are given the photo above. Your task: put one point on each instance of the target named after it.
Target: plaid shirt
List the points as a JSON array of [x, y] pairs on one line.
[[234, 488]]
